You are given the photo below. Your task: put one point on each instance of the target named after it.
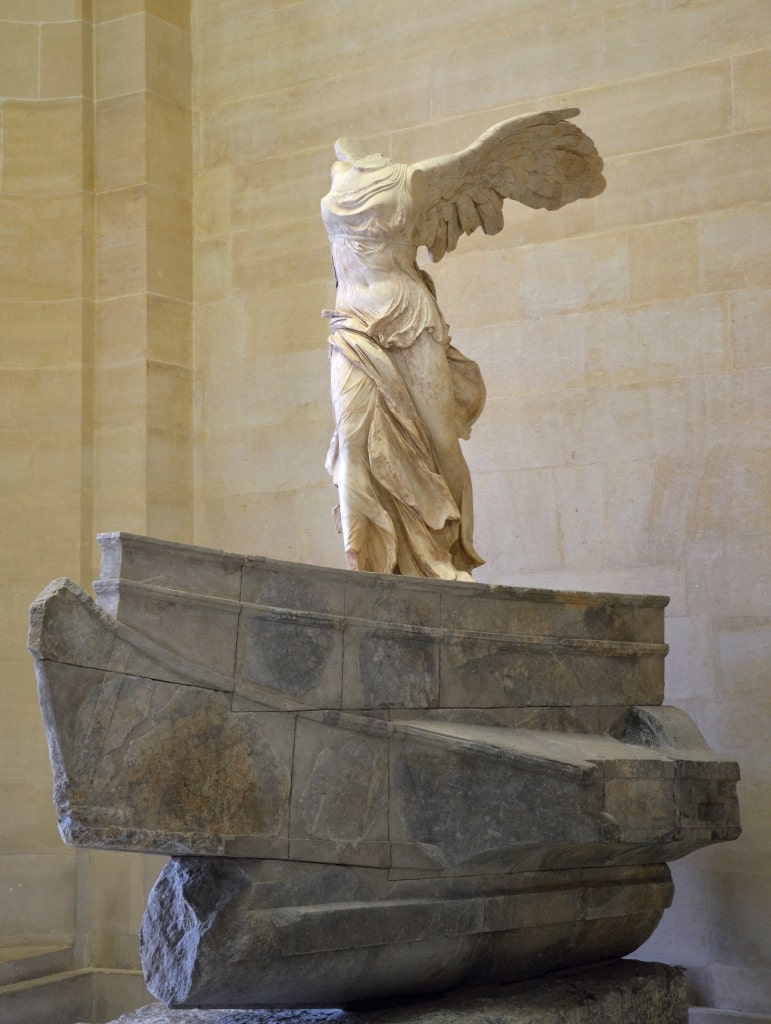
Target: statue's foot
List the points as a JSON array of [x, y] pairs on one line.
[[447, 571], [351, 560]]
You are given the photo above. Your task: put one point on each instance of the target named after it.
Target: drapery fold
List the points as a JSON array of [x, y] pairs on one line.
[[396, 510]]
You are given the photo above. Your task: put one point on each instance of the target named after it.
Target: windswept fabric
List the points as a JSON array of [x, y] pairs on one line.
[[397, 511]]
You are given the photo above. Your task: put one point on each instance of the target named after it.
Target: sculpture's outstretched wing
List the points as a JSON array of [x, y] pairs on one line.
[[541, 160]]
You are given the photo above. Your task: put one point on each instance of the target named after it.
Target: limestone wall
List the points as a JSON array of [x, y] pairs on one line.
[[95, 388], [624, 340], [45, 205]]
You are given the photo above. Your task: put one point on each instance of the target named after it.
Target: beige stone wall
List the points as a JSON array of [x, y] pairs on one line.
[[624, 340], [143, 366], [95, 387], [142, 476], [44, 329]]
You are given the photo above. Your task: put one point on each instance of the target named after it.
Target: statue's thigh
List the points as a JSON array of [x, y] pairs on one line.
[[353, 399], [425, 371]]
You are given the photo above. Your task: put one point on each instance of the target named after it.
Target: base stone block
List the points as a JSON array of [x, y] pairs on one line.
[[617, 992], [375, 787]]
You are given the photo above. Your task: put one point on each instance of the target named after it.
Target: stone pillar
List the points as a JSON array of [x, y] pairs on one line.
[[95, 389], [142, 364], [143, 411], [45, 343]]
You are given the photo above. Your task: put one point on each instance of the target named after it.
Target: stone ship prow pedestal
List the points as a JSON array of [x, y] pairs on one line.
[[370, 786]]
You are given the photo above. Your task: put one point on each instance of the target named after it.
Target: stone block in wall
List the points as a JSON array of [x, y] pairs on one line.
[[380, 96], [734, 246], [211, 204], [63, 45], [751, 81], [168, 52], [32, 330], [275, 256], [542, 59], [665, 340], [676, 105], [551, 280], [751, 342], [212, 269], [43, 147], [175, 12], [640, 41], [168, 151], [121, 142], [663, 261], [169, 244], [121, 242], [40, 247], [25, 807], [479, 274], [121, 64], [238, 133], [21, 64], [276, 189], [39, 907], [169, 330], [721, 173]]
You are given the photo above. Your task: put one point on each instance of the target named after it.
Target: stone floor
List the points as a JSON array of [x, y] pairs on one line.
[[618, 992], [45, 985], [42, 985]]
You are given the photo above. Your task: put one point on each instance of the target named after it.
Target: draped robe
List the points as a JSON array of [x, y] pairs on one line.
[[404, 491]]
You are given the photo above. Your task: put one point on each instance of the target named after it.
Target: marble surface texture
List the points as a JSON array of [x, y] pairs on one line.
[[402, 394]]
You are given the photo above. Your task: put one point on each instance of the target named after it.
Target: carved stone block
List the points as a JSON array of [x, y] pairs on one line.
[[371, 785]]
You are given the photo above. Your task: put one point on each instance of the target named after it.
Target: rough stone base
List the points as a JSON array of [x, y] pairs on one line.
[[618, 992]]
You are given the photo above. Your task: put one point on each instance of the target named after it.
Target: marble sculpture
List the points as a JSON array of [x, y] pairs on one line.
[[369, 785], [402, 393]]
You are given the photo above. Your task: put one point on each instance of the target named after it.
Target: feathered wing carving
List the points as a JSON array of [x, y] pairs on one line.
[[541, 160]]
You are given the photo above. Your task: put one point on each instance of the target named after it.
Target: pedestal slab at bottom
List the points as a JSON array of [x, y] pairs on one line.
[[617, 992]]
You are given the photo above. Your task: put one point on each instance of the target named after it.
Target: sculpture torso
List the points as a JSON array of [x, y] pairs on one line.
[[370, 219]]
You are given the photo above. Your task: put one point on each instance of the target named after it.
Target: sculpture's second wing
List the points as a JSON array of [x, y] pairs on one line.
[[541, 160]]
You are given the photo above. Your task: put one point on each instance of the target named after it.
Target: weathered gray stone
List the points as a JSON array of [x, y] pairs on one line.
[[544, 612], [387, 785], [468, 646], [145, 560], [273, 584], [251, 933], [488, 670], [620, 992], [340, 790], [300, 657], [391, 666], [210, 726]]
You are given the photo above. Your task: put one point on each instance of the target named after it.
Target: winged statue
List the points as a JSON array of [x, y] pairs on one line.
[[402, 394]]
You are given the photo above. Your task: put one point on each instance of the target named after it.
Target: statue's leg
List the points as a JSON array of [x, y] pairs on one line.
[[367, 530], [424, 368], [426, 373]]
